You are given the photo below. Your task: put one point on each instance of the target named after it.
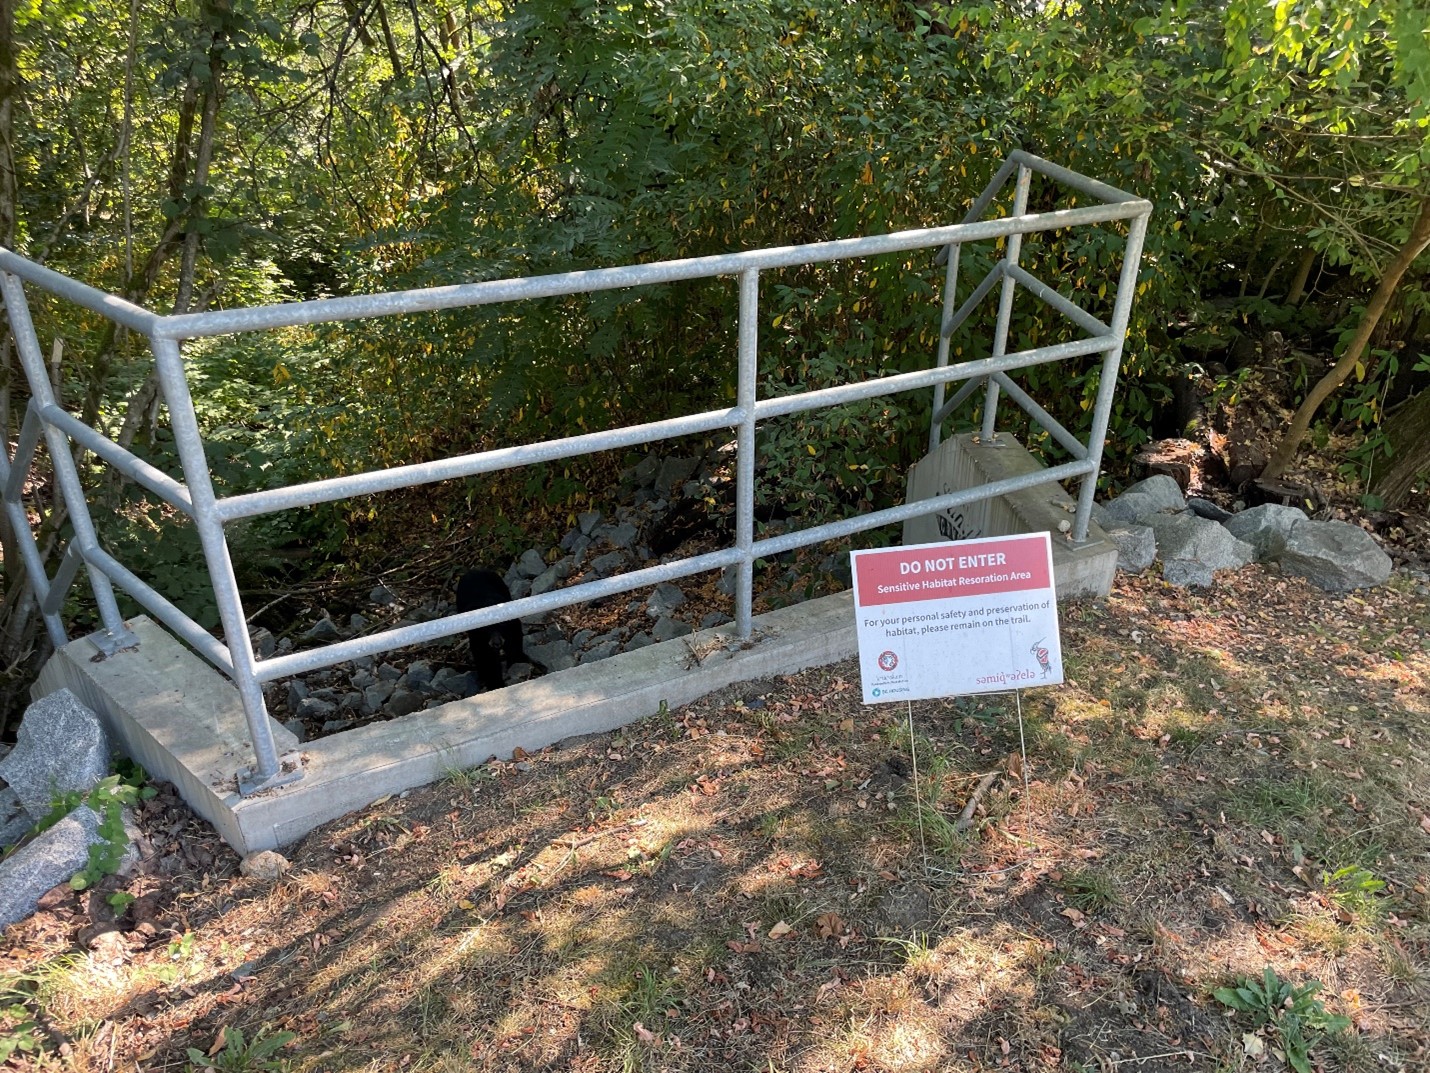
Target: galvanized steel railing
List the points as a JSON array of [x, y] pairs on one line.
[[195, 495]]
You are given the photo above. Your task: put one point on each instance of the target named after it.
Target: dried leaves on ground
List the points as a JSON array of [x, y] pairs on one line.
[[777, 878]]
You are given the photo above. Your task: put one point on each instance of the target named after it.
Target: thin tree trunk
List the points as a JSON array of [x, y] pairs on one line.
[[1414, 246], [1408, 430], [1297, 290]]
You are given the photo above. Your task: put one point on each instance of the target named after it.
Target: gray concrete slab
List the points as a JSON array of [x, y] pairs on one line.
[[183, 722], [961, 462]]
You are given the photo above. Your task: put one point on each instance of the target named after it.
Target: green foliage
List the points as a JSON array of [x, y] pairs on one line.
[[108, 798], [238, 1055], [1354, 889], [1294, 1014]]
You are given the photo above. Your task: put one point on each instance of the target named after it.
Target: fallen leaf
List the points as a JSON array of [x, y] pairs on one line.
[[1077, 916], [831, 925], [519, 754], [780, 930], [644, 1034], [1253, 1045]]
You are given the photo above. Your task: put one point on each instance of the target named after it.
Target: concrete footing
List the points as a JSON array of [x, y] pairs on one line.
[[183, 721], [962, 462]]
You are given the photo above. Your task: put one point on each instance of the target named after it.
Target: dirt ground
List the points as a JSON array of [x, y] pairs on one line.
[[775, 879]]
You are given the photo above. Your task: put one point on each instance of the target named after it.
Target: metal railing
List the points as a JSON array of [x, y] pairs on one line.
[[195, 495]]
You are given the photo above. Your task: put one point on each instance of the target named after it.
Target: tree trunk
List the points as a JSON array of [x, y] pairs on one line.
[[1415, 244], [1297, 290], [1408, 430]]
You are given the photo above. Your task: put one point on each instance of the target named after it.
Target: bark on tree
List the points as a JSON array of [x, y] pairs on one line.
[[1408, 430], [1414, 246]]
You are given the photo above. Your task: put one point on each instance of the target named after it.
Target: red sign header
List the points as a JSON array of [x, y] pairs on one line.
[[968, 568]]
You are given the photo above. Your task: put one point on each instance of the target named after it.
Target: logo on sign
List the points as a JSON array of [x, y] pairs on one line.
[[888, 661]]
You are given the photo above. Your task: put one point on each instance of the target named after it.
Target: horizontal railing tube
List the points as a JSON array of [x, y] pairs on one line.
[[850, 526], [126, 462], [446, 469], [81, 294], [1051, 424], [423, 632], [432, 299], [889, 385]]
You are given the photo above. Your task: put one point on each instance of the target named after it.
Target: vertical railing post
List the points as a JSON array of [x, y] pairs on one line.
[[188, 441], [1112, 359], [945, 338], [116, 634], [749, 367], [1005, 304]]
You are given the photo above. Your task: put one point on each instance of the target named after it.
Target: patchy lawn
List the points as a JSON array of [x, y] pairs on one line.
[[1230, 781]]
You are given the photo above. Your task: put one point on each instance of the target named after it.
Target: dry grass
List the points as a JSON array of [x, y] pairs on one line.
[[745, 883]]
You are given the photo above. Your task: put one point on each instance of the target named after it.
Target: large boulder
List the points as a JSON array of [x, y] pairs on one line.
[[52, 858], [1266, 528], [1193, 548], [1163, 490], [61, 748], [1136, 546], [1335, 556], [1130, 508]]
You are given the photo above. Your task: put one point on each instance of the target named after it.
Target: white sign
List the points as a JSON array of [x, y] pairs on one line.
[[966, 616]]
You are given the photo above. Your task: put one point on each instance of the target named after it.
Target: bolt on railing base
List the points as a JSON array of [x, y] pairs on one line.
[[290, 770], [111, 641]]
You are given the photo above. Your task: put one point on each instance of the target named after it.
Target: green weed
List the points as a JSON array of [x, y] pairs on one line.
[[1293, 1014]]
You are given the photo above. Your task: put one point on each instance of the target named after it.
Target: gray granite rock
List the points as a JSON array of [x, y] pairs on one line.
[[404, 702], [375, 696], [520, 588], [640, 640], [363, 679], [418, 676], [323, 630], [531, 563], [548, 579], [297, 693], [555, 655], [713, 618], [608, 564], [264, 643], [382, 596], [315, 709], [642, 474], [61, 748], [673, 473], [600, 651], [1165, 492], [297, 728], [1335, 556], [1130, 508], [386, 672], [588, 521], [1136, 546], [1205, 508], [729, 580], [667, 629], [1266, 528], [38, 866], [665, 599], [15, 822], [1193, 548], [620, 536], [335, 726], [357, 623]]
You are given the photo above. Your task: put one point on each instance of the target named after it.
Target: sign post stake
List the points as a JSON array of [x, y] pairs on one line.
[[956, 618]]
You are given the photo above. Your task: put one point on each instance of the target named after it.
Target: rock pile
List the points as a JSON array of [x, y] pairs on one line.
[[1195, 538], [659, 510], [61, 750]]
